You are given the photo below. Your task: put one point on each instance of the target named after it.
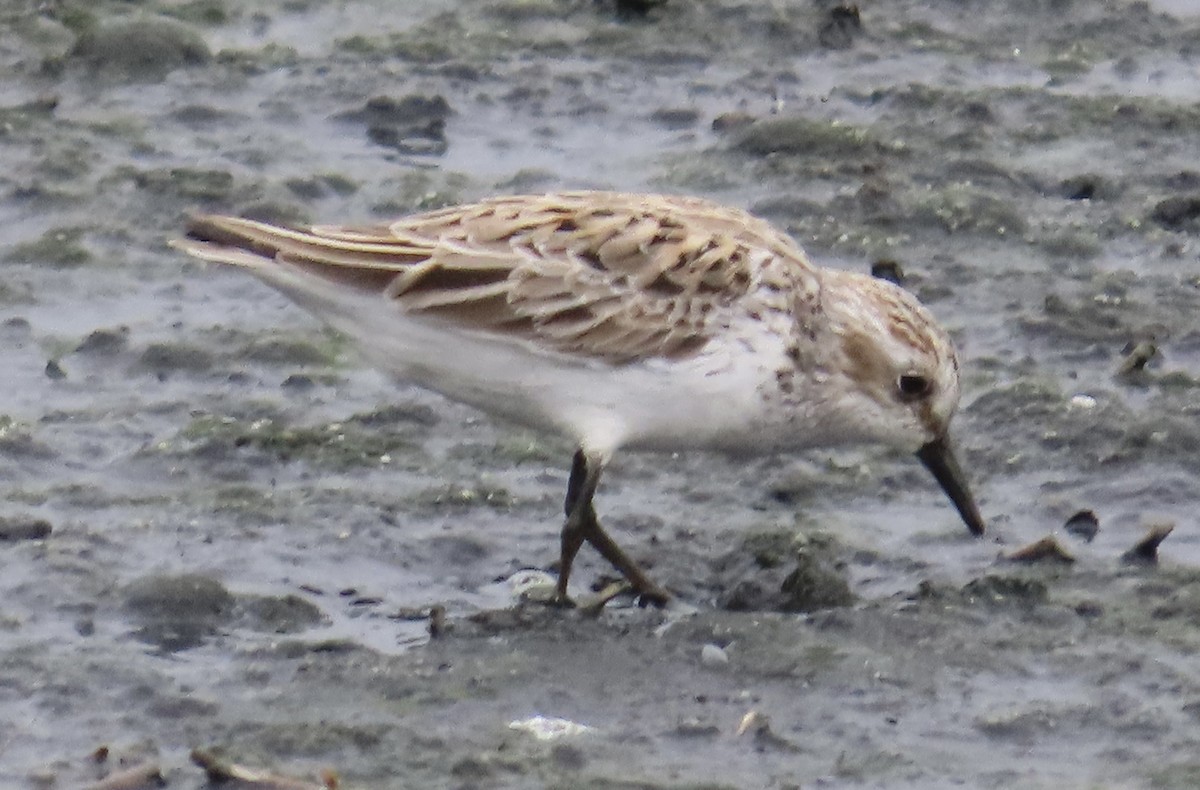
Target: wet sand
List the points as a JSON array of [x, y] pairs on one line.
[[221, 530]]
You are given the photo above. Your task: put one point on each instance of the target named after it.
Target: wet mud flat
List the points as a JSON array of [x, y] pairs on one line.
[[221, 531]]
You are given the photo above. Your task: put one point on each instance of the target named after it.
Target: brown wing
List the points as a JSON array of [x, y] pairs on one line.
[[602, 275]]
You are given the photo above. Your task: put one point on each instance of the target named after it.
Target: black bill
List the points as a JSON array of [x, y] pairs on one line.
[[939, 459]]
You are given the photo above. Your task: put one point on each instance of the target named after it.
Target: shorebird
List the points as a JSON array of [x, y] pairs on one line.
[[649, 322]]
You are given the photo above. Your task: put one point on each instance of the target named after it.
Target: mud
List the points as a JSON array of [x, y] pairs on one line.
[[221, 531]]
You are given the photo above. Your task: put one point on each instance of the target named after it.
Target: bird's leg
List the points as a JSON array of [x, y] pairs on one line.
[[636, 577], [582, 524], [573, 528]]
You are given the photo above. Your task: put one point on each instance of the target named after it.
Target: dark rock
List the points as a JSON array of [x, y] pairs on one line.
[[977, 111], [842, 25], [285, 614], [1177, 213], [187, 183], [783, 572], [1083, 187], [141, 49], [178, 612], [104, 341], [815, 585], [298, 382], [186, 596], [12, 529], [412, 125], [54, 371], [1083, 525], [169, 357], [888, 269], [636, 9], [803, 137]]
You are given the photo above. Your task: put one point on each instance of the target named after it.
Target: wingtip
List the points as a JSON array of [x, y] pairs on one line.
[[226, 239], [214, 228], [194, 241]]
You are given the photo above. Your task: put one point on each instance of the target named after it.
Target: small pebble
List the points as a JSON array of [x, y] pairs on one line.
[[532, 585], [888, 269], [548, 728], [713, 656], [1177, 212], [758, 726], [753, 722], [1083, 402], [1083, 525]]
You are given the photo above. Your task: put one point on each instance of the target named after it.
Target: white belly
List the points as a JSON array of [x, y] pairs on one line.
[[719, 398]]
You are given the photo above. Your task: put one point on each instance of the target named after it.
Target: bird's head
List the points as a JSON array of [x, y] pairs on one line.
[[900, 376]]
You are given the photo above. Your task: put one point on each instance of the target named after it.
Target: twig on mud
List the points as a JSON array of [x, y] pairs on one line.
[[1145, 551], [136, 778], [1048, 549], [251, 779]]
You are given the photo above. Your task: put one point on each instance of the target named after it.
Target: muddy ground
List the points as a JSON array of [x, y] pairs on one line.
[[221, 530]]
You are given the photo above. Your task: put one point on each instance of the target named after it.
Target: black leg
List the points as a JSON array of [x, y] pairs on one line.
[[632, 572], [581, 524], [580, 487], [575, 481]]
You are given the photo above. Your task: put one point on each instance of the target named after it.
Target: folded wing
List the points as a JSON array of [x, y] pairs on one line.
[[599, 275]]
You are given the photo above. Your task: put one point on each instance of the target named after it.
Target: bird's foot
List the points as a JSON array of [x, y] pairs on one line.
[[653, 596]]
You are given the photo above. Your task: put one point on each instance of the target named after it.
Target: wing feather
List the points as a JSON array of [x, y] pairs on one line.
[[599, 275]]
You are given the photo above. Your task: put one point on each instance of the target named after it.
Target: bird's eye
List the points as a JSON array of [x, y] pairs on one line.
[[912, 386]]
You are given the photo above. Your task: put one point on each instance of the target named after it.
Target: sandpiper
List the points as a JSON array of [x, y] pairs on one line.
[[651, 322]]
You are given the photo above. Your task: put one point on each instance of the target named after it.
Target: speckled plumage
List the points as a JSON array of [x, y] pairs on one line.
[[645, 321]]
